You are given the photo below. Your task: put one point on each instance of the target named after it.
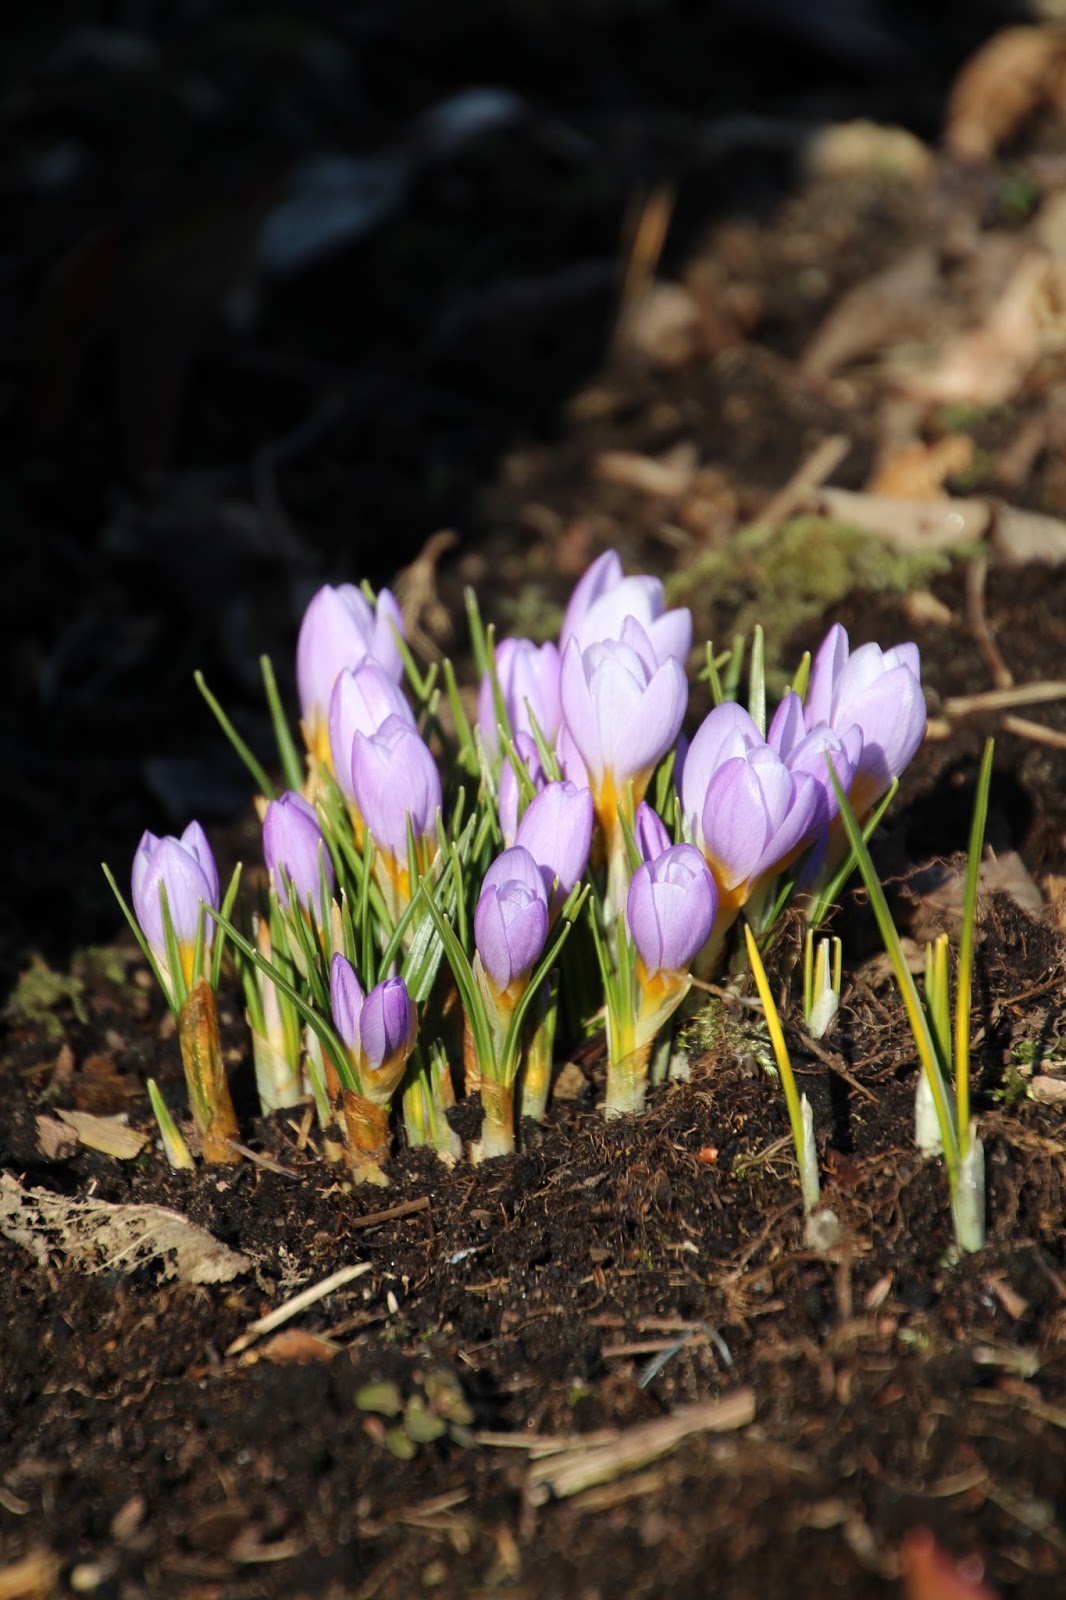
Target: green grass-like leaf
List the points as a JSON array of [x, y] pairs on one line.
[[924, 1040], [262, 782]]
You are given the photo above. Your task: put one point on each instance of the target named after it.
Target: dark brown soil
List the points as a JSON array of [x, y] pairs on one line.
[[610, 1275]]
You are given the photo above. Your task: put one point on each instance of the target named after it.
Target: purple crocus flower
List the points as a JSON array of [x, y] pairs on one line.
[[346, 1000], [528, 676], [361, 701], [650, 833], [622, 710], [569, 758], [509, 793], [340, 628], [756, 817], [187, 869], [879, 691], [670, 909], [604, 598], [806, 752], [394, 777], [294, 850], [388, 1026], [746, 811], [556, 829], [511, 921], [725, 732]]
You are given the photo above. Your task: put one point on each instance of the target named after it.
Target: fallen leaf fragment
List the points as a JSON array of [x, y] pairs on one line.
[[852, 149], [668, 476], [882, 309], [987, 365], [907, 524], [55, 1141], [1000, 87], [918, 471], [101, 1237], [662, 326], [35, 1577], [295, 1345], [1023, 536], [112, 1136]]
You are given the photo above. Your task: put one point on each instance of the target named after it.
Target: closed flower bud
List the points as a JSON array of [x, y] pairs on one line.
[[186, 868], [388, 1026], [509, 794], [511, 919], [650, 833], [671, 909], [756, 816], [604, 598], [340, 628], [395, 777], [528, 677], [361, 701], [294, 850], [346, 1000], [556, 829], [622, 711]]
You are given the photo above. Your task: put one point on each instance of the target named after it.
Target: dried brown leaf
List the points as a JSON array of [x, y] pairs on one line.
[[986, 366], [896, 302], [1000, 87], [918, 471], [101, 1237], [112, 1136]]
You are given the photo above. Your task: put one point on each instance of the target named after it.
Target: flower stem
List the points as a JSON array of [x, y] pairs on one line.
[[497, 1129], [205, 1076], [627, 1081], [366, 1124]]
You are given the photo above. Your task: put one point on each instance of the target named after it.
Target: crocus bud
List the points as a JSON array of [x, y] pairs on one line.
[[879, 691], [511, 922], [341, 629], [622, 711], [556, 829], [346, 1000], [186, 868], [361, 701], [294, 850], [671, 909], [756, 816], [395, 777], [509, 794], [388, 1028], [650, 833], [528, 676], [604, 598]]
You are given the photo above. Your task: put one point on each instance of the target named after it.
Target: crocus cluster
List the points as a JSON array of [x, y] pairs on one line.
[[443, 865]]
